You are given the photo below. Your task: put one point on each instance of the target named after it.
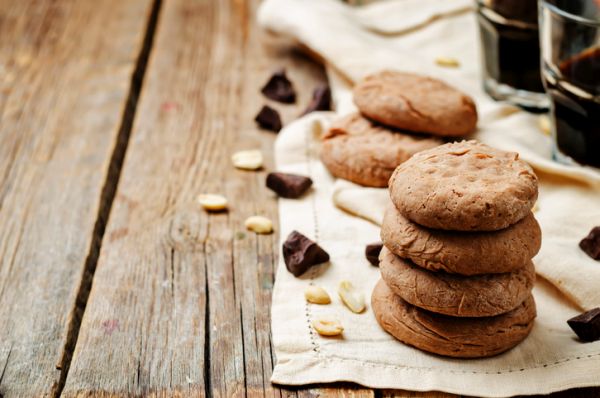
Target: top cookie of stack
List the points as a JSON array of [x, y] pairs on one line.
[[400, 114], [464, 186]]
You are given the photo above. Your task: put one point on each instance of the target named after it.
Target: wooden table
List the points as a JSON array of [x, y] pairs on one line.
[[114, 116]]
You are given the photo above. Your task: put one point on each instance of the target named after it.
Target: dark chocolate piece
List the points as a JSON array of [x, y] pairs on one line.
[[321, 100], [591, 243], [279, 88], [301, 253], [288, 185], [587, 325], [372, 253], [268, 118]]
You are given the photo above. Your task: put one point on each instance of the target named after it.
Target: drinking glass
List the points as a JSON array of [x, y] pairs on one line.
[[570, 42], [510, 50]]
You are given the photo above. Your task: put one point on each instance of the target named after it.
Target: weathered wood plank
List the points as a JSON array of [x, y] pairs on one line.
[[336, 390], [197, 107], [65, 74], [592, 392], [257, 256], [166, 267], [143, 330], [411, 394], [198, 103]]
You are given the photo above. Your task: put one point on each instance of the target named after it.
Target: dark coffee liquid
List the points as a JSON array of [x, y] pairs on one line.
[[511, 50], [575, 96]]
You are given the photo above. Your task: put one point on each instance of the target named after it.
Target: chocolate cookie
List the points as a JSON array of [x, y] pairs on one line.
[[357, 150], [464, 186], [456, 295], [465, 253], [449, 336], [416, 103]]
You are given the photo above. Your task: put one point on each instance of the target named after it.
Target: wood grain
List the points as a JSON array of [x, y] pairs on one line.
[[180, 303], [64, 84], [414, 394], [186, 293], [336, 390]]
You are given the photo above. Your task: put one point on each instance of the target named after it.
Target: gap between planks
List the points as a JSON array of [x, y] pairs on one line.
[[107, 197]]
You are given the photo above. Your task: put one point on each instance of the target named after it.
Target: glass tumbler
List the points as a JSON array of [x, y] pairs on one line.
[[510, 51], [570, 42]]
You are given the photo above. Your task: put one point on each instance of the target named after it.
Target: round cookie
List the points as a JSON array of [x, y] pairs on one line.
[[455, 295], [465, 253], [416, 103], [464, 186], [359, 151], [449, 336]]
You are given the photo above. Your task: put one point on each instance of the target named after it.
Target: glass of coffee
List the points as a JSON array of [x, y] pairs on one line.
[[510, 50], [570, 41]]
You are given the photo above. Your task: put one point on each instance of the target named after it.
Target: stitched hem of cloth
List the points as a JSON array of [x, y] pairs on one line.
[[309, 370]]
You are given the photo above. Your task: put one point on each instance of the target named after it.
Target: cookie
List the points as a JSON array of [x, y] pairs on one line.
[[357, 150], [456, 295], [450, 336], [465, 253], [464, 186], [416, 103]]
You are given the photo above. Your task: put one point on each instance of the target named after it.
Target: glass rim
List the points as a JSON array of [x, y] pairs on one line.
[[577, 18]]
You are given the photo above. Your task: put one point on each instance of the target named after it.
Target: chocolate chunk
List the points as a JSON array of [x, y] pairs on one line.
[[279, 88], [587, 325], [321, 100], [268, 118], [288, 185], [301, 253], [591, 243], [372, 253]]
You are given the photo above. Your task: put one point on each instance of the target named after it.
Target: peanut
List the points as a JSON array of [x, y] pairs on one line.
[[247, 160], [259, 224], [212, 202], [448, 62], [316, 295], [327, 326], [355, 301]]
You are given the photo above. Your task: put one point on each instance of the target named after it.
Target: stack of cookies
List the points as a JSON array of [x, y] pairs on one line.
[[458, 239], [400, 114]]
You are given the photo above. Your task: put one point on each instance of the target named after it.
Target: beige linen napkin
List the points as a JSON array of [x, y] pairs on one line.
[[357, 41], [550, 359]]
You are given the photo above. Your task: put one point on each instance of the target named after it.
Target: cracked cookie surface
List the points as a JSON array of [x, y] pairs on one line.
[[450, 336], [464, 186], [365, 153], [416, 103], [456, 295], [465, 253]]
